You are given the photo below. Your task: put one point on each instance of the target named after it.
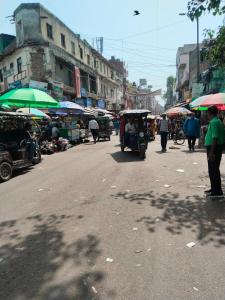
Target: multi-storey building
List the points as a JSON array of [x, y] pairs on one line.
[[48, 55]]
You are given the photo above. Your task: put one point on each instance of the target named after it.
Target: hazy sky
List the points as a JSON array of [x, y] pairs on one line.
[[147, 43]]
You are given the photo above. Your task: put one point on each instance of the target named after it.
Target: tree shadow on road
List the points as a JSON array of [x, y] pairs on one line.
[[29, 264], [178, 213]]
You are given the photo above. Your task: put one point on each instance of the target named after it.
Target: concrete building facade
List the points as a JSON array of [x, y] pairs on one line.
[[45, 50]]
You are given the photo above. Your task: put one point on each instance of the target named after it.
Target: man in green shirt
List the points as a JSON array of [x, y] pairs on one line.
[[214, 141]]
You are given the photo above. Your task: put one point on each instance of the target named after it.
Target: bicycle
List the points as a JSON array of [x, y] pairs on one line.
[[179, 138]]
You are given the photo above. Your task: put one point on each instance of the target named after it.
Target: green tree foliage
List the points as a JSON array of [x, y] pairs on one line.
[[197, 7], [216, 47]]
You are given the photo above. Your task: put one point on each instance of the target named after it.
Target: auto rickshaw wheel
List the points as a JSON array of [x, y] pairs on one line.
[[142, 153], [5, 171]]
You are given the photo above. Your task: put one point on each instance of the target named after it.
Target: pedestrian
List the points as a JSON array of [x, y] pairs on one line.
[[214, 141], [164, 130], [94, 128], [192, 130], [55, 132]]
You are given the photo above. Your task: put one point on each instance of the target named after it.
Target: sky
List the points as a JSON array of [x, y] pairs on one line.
[[146, 43]]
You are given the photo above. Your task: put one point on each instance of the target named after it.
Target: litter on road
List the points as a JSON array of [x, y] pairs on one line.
[[113, 187], [104, 180], [149, 249], [191, 244], [167, 185], [195, 163], [135, 229], [201, 186], [180, 170], [94, 290], [138, 265], [108, 259], [138, 251], [1, 259], [40, 190], [196, 289]]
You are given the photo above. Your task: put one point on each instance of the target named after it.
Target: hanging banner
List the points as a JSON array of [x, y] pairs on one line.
[[77, 82], [57, 90], [42, 86]]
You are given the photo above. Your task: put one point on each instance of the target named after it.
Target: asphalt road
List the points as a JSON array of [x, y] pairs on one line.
[[95, 223]]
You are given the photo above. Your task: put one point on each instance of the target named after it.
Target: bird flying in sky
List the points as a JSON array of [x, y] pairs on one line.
[[136, 13]]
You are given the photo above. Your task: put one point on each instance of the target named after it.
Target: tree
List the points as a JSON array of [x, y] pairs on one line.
[[215, 47], [197, 7]]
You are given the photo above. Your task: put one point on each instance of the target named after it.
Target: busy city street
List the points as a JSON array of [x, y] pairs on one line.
[[97, 223]]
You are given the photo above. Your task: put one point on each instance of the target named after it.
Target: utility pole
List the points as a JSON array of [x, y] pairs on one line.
[[198, 51]]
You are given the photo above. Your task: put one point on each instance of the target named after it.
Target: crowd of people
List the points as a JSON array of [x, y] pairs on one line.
[[214, 141]]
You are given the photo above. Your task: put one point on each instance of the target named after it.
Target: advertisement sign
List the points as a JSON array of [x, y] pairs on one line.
[[57, 90], [101, 103], [88, 102], [80, 102], [197, 90], [15, 85], [77, 82], [42, 86], [83, 92]]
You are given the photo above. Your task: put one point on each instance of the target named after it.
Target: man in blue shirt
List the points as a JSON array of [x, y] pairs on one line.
[[192, 130]]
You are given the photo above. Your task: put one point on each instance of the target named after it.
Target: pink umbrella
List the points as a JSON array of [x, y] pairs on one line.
[[177, 111]]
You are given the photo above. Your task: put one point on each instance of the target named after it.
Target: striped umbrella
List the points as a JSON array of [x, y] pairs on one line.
[[203, 102], [177, 111]]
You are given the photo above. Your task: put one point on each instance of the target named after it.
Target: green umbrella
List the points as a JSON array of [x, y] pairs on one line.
[[28, 97]]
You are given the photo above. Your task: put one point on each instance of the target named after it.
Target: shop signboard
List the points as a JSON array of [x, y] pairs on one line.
[[15, 85], [101, 103], [42, 86], [88, 102], [79, 101], [197, 90], [57, 90], [77, 82], [83, 92]]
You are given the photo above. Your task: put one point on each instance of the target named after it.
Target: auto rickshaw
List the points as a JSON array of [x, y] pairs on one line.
[[17, 149], [137, 139], [105, 129]]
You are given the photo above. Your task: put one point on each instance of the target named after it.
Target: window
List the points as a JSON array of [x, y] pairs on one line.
[[63, 40], [88, 59], [100, 66], [104, 68], [72, 47], [11, 65], [49, 31], [95, 63], [112, 75], [81, 52], [1, 76], [19, 65]]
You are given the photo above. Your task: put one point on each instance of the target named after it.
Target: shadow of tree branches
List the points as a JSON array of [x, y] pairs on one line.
[[203, 217], [28, 264]]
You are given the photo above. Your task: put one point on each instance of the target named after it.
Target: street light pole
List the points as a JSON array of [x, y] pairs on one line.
[[198, 51]]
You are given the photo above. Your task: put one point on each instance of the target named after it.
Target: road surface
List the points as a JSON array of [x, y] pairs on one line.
[[95, 223]]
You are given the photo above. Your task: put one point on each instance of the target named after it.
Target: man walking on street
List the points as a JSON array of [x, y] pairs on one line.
[[214, 142], [94, 128], [192, 130], [164, 130]]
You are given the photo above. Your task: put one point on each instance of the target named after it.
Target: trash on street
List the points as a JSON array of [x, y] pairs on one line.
[[191, 244], [108, 259], [180, 170]]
